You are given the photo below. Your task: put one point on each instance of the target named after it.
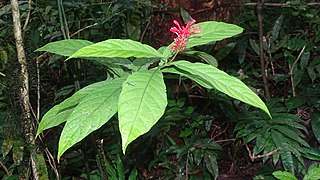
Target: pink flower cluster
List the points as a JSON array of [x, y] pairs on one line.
[[183, 33]]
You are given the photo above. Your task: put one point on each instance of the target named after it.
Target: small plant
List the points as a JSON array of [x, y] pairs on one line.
[[279, 138], [138, 95], [312, 174]]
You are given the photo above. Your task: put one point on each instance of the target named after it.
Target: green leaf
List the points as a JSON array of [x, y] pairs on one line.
[[276, 29], [6, 146], [59, 113], [112, 174], [122, 48], [91, 113], [211, 77], [283, 175], [211, 164], [120, 169], [295, 44], [311, 153], [133, 174], [65, 47], [212, 31], [290, 133], [254, 46], [285, 151], [312, 174], [295, 102], [315, 125], [304, 60], [141, 104], [261, 143], [204, 57], [297, 76], [185, 16], [311, 73], [225, 51], [270, 146], [54, 117]]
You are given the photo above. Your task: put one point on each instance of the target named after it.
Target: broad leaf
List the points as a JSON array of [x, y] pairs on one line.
[[285, 151], [91, 113], [290, 133], [283, 175], [315, 124], [65, 47], [311, 153], [313, 174], [211, 164], [211, 77], [212, 31], [122, 48], [59, 113], [204, 57], [141, 104]]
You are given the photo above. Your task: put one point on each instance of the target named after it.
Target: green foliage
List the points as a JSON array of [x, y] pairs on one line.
[[315, 124], [210, 77], [143, 96], [282, 135], [213, 31], [313, 173], [283, 175], [65, 47], [142, 102], [93, 111], [59, 113], [291, 50], [117, 48]]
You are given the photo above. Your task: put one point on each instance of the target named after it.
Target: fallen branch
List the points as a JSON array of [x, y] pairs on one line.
[[253, 157], [282, 4]]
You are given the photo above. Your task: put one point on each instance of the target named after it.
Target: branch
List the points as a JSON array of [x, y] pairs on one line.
[[253, 157], [261, 53], [281, 4]]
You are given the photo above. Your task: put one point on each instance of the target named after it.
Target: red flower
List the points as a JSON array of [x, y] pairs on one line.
[[183, 33]]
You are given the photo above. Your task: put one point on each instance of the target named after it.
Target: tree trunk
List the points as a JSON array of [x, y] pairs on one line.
[[38, 165]]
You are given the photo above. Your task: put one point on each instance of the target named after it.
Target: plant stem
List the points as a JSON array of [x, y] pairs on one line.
[[38, 165], [261, 53]]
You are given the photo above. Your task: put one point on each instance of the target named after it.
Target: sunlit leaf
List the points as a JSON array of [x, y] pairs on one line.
[[65, 47], [212, 31], [283, 175], [141, 104], [122, 48], [312, 174], [59, 113], [90, 114], [211, 77]]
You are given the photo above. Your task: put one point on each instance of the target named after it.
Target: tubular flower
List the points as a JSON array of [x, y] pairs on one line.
[[183, 33]]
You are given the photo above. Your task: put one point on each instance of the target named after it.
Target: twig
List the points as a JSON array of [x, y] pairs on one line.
[[5, 169], [52, 162], [46, 150], [253, 157], [221, 132], [261, 53], [145, 29], [291, 71], [28, 16], [224, 140], [187, 177], [2, 74], [87, 27], [38, 88], [280, 4]]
